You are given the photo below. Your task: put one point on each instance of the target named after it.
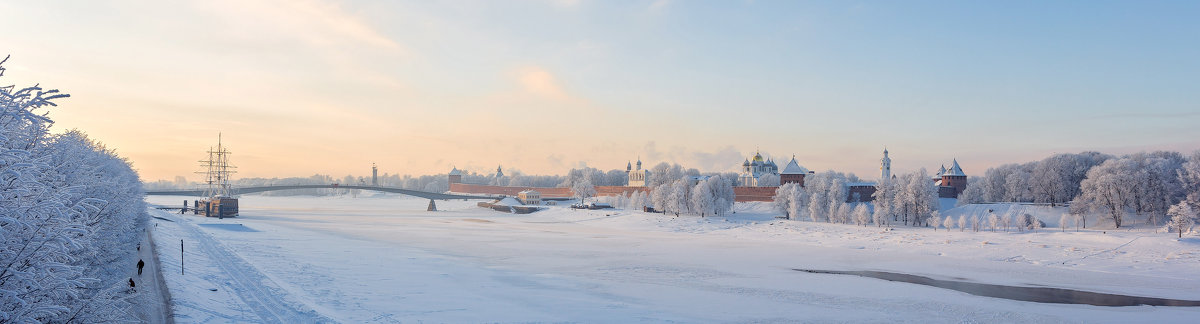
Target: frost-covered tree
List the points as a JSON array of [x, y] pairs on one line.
[[885, 194], [1183, 218], [880, 217], [916, 199], [817, 187], [838, 192], [712, 196], [1017, 184], [583, 189], [935, 219], [862, 214], [638, 200], [71, 212], [1065, 221], [1108, 189], [993, 221], [962, 222], [792, 200], [973, 194], [723, 189], [665, 174], [768, 180], [702, 200], [783, 199], [1189, 178], [675, 196], [948, 223], [1157, 185], [1007, 219]]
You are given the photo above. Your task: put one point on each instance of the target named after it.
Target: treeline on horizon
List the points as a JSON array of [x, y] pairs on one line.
[[440, 182]]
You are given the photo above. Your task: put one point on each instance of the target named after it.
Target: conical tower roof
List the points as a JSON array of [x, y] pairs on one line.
[[955, 170], [794, 168]]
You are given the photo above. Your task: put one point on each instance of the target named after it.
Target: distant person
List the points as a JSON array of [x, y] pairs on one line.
[[140, 265], [132, 285]]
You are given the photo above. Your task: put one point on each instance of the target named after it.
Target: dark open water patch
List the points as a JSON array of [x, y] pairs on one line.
[[231, 227], [1029, 294]]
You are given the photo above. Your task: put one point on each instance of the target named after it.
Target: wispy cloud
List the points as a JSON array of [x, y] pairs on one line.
[[565, 3], [315, 22], [538, 81], [659, 5], [1142, 116]]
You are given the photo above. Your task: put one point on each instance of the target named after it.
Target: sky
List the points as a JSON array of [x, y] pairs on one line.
[[297, 88]]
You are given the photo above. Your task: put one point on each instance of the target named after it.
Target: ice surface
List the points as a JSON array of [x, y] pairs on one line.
[[385, 259]]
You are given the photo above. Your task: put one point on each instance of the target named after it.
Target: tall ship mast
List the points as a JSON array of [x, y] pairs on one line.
[[217, 172]]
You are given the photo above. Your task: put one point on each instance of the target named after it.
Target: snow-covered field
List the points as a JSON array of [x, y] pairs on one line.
[[383, 259]]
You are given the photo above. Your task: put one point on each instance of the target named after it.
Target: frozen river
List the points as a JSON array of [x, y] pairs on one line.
[[384, 259]]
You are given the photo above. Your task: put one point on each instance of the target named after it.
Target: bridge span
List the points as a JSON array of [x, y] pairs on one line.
[[247, 190]]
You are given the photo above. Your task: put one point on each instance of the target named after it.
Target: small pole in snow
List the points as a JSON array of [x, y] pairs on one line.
[[181, 257]]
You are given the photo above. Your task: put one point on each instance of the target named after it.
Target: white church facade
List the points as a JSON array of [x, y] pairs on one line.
[[756, 170], [637, 178]]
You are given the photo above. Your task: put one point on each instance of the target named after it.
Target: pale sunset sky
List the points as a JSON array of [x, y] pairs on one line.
[[324, 86]]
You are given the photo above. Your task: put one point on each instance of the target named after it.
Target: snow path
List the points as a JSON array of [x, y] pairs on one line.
[[260, 294], [156, 308]]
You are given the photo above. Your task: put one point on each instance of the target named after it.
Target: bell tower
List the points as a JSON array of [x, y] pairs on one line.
[[885, 166]]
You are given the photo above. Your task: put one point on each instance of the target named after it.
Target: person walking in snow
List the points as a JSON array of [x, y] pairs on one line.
[[140, 265], [132, 285]]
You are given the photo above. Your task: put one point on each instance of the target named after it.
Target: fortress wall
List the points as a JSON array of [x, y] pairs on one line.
[[742, 194]]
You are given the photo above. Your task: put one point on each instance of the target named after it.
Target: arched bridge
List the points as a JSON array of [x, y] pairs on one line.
[[247, 190]]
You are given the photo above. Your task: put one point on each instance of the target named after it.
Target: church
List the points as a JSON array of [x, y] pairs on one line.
[[637, 178], [754, 170]]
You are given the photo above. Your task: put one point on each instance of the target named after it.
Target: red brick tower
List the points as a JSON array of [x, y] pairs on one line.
[[793, 173], [954, 177]]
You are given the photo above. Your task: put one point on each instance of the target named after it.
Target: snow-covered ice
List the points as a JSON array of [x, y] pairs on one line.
[[383, 258]]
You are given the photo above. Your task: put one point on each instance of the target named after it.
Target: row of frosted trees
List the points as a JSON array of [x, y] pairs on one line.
[[1162, 187], [71, 216], [678, 191], [909, 199]]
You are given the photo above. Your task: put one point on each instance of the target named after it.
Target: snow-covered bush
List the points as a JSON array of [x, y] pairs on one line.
[[1183, 217], [948, 223], [70, 212]]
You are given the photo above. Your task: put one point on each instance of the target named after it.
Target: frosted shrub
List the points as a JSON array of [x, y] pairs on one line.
[[71, 212]]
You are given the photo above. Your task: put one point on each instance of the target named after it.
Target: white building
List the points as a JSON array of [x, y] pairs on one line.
[[530, 197], [885, 166], [753, 170], [637, 177]]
